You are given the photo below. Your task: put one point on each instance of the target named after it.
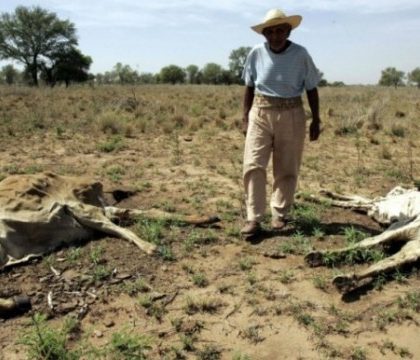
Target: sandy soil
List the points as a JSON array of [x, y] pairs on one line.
[[254, 301]]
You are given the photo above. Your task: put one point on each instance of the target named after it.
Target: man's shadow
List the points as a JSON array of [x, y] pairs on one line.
[[293, 228]]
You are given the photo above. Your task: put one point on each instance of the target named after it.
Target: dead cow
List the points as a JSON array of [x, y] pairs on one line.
[[39, 213], [401, 209]]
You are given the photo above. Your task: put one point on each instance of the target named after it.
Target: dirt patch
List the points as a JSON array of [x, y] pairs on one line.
[[208, 292]]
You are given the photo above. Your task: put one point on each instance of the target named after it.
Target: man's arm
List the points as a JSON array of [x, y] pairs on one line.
[[313, 100], [248, 99]]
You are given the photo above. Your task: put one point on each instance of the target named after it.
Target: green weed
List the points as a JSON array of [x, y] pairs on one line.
[[113, 144], [199, 279], [126, 346], [43, 342]]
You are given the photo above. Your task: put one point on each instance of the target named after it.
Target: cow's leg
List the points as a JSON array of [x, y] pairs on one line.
[[3, 256], [409, 253], [93, 217], [119, 213], [12, 261], [346, 198], [402, 231], [344, 201]]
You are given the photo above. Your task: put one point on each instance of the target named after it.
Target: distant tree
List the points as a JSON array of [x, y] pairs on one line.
[[212, 74], [125, 74], [147, 78], [32, 35], [192, 74], [391, 77], [323, 81], [99, 78], [337, 84], [68, 65], [72, 66], [237, 62], [108, 77], [227, 78], [172, 74], [9, 75], [414, 76]]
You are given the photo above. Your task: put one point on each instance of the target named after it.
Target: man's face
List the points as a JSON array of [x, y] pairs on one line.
[[277, 36]]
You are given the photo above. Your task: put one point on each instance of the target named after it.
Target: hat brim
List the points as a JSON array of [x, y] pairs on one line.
[[293, 21]]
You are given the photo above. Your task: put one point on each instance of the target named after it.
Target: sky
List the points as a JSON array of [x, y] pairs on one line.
[[349, 40]]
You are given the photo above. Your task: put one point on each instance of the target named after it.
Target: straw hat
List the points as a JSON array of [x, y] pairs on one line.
[[277, 17]]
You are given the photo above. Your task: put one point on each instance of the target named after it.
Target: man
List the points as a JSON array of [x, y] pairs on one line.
[[276, 73]]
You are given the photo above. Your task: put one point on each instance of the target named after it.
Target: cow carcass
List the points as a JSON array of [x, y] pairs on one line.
[[41, 212], [400, 208]]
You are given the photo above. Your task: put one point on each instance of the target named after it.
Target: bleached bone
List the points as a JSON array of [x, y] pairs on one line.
[[39, 213], [405, 210], [398, 204]]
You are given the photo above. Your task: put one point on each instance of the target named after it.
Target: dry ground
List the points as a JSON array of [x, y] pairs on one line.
[[208, 294]]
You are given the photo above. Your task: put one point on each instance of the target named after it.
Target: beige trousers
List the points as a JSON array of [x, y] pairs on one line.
[[280, 132]]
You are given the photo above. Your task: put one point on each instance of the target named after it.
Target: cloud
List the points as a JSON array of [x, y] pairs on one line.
[[360, 6], [142, 14]]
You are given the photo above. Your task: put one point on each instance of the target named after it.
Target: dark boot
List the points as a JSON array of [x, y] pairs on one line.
[[251, 228]]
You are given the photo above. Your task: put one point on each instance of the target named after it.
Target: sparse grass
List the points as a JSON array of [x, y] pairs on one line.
[[246, 263], [134, 287], [200, 279], [210, 352], [112, 144], [252, 278], [115, 173], [180, 148], [197, 238], [297, 245], [188, 342], [353, 235], [74, 255], [128, 346], [306, 218], [252, 334], [398, 130], [101, 272], [150, 230], [410, 300], [358, 353], [287, 276], [44, 342], [95, 254], [203, 305], [153, 308], [238, 355], [388, 345], [320, 282]]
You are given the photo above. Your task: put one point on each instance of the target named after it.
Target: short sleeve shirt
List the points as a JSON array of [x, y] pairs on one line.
[[285, 75]]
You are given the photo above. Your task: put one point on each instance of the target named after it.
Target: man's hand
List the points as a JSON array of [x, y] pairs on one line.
[[314, 129], [244, 126]]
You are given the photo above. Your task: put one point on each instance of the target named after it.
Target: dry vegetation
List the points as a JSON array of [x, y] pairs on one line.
[[208, 294]]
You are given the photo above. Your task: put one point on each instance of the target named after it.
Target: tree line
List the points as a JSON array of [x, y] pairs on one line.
[[47, 48], [393, 77]]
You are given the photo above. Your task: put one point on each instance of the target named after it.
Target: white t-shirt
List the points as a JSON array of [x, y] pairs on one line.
[[285, 75]]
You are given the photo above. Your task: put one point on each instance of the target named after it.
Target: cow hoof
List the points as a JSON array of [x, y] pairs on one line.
[[314, 258], [213, 219], [343, 283], [151, 250], [14, 306]]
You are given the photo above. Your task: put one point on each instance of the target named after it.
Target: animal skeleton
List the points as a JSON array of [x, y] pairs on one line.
[[401, 209], [39, 213]]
